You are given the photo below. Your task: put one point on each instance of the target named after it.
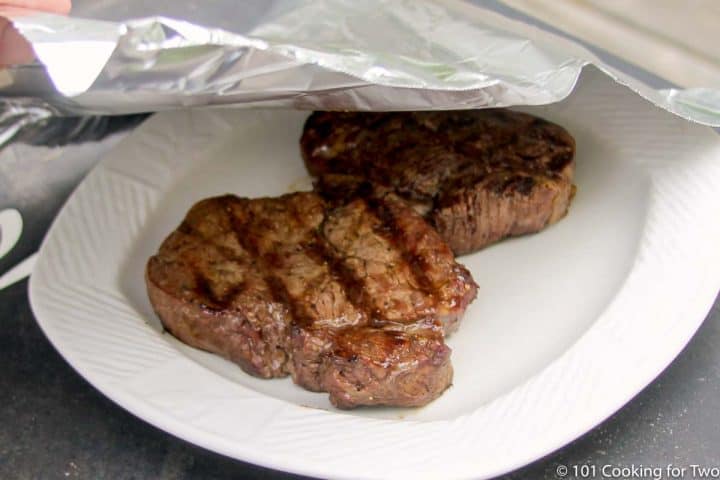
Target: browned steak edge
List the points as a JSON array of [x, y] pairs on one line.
[[479, 216], [359, 373]]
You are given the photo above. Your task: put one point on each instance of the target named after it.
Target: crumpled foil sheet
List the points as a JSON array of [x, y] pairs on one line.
[[310, 54]]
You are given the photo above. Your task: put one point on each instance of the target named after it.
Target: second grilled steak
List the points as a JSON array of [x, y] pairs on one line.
[[477, 175], [354, 299]]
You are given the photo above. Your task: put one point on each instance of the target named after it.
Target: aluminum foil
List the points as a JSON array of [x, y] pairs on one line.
[[319, 54]]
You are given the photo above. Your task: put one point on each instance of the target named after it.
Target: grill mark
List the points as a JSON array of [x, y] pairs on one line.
[[353, 286], [202, 289], [223, 301], [232, 293], [202, 285], [561, 158], [278, 292], [465, 173], [364, 301], [390, 231], [299, 310], [212, 301]]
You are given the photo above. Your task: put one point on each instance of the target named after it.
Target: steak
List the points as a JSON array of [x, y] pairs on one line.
[[354, 299], [476, 175]]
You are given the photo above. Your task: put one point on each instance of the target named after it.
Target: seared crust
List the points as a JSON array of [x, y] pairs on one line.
[[477, 175], [333, 295], [369, 366]]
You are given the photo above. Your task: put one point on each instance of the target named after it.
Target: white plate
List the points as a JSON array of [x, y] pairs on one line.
[[567, 327]]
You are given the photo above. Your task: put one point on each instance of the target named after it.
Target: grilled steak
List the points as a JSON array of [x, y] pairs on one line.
[[353, 299], [476, 175]]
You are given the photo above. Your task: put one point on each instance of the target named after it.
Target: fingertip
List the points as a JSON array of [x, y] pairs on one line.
[[14, 49], [61, 7]]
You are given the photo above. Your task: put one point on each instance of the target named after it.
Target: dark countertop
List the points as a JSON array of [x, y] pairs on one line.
[[56, 425]]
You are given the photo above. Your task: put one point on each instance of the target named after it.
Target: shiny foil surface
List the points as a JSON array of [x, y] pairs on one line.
[[125, 56]]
